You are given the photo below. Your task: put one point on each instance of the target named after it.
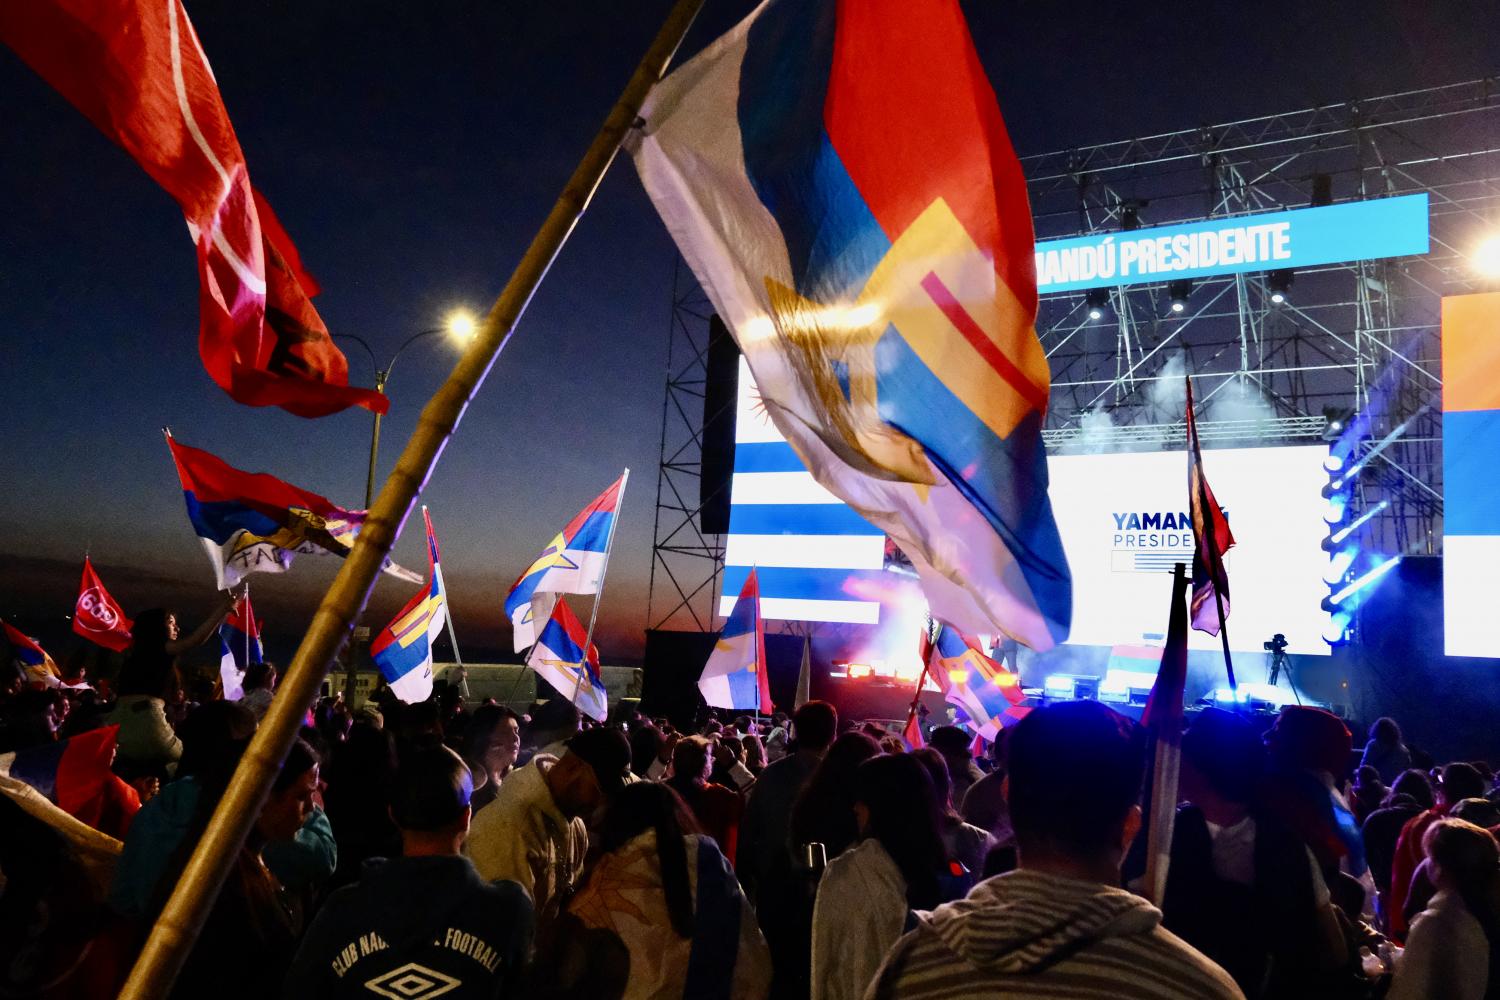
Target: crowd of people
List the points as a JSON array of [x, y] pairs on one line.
[[464, 850]]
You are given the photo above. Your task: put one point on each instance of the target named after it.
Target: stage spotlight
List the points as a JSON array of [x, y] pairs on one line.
[[1334, 512], [1333, 463], [1339, 564], [1486, 257], [1178, 291], [1336, 628], [1097, 299], [1280, 283], [1360, 583], [1357, 523]]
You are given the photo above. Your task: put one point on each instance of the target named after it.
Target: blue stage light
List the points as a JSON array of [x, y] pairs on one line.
[[1357, 523], [1360, 583], [1334, 632], [1339, 564], [1334, 512]]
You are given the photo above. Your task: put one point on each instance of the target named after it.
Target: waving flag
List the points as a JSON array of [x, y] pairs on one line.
[[96, 615], [137, 71], [988, 694], [558, 658], [1211, 538], [70, 773], [403, 650], [735, 674], [572, 563], [1163, 720], [32, 660], [251, 522], [239, 646], [839, 178]]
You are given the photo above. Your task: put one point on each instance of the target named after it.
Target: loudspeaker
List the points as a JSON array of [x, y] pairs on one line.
[[720, 394]]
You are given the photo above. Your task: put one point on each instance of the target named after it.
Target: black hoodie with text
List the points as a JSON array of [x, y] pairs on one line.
[[414, 928]]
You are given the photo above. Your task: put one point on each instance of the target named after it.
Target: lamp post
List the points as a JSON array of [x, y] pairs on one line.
[[459, 326]]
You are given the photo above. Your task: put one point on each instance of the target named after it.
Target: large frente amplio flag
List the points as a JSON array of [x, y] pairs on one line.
[[839, 178], [136, 70]]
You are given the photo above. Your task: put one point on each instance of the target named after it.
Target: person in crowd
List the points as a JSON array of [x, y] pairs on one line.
[[1059, 925], [1308, 752], [1481, 813], [962, 842], [716, 809], [147, 741], [657, 900], [260, 687], [954, 744], [824, 811], [768, 813], [333, 719], [1240, 887], [1410, 794], [1458, 782], [729, 767], [755, 753], [492, 742], [983, 805], [427, 908], [1385, 751], [1366, 794], [553, 724], [535, 832], [1451, 951], [33, 718], [645, 745], [245, 945], [866, 897], [359, 781]]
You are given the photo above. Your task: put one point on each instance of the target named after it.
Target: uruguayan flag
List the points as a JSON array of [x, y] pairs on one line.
[[403, 650]]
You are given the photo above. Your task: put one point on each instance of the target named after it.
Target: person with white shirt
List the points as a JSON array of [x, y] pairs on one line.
[[1449, 952]]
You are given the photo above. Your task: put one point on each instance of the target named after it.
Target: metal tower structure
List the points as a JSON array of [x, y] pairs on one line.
[[1346, 339], [685, 563]]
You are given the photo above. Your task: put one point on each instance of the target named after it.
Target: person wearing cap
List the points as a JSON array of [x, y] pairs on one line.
[[424, 922], [535, 831]]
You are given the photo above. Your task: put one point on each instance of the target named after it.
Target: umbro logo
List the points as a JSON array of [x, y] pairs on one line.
[[412, 982]]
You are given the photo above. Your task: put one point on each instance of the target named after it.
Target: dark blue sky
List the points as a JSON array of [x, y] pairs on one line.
[[411, 149]]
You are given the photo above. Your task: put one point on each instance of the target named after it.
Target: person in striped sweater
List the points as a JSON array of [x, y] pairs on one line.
[[1059, 925]]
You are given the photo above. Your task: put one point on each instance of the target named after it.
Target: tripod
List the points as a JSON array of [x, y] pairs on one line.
[[1279, 663]]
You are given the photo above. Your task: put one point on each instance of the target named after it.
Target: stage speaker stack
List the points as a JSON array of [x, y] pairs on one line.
[[720, 394]]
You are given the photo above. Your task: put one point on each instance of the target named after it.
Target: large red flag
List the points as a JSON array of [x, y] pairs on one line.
[[97, 617], [137, 71], [1211, 538]]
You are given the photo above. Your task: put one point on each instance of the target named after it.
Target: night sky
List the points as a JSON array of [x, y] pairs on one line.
[[411, 149]]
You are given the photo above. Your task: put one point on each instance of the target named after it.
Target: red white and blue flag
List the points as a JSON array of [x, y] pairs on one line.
[[403, 650], [839, 178], [735, 674], [988, 695], [30, 658], [572, 563], [558, 658], [239, 646], [251, 522], [137, 71], [97, 616], [69, 773], [1211, 538]]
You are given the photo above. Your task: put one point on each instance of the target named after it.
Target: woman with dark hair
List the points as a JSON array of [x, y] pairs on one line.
[[148, 745], [1451, 950], [824, 810], [965, 843], [491, 743], [868, 893], [260, 688], [1385, 751], [659, 896]]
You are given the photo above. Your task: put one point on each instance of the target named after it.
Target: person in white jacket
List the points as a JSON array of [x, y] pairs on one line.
[[868, 894], [1448, 952]]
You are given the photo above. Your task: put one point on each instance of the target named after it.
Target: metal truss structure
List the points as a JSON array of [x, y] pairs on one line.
[[685, 563], [1357, 338]]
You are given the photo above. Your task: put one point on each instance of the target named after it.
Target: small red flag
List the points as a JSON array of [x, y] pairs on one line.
[[912, 734], [137, 71], [96, 616], [1211, 538]]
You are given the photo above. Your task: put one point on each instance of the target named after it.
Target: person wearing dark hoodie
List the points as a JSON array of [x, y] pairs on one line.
[[424, 922], [1059, 925]]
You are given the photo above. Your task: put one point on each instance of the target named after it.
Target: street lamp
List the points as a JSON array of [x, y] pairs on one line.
[[459, 327]]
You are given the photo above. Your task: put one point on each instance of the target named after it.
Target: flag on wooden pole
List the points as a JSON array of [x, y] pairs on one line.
[[1163, 719]]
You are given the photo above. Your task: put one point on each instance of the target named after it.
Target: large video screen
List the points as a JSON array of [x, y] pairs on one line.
[[1123, 519], [1123, 523]]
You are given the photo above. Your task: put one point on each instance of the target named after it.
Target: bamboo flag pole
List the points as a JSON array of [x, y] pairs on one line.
[[609, 547], [193, 898]]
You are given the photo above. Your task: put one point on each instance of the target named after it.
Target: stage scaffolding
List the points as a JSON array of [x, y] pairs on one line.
[[1358, 338]]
